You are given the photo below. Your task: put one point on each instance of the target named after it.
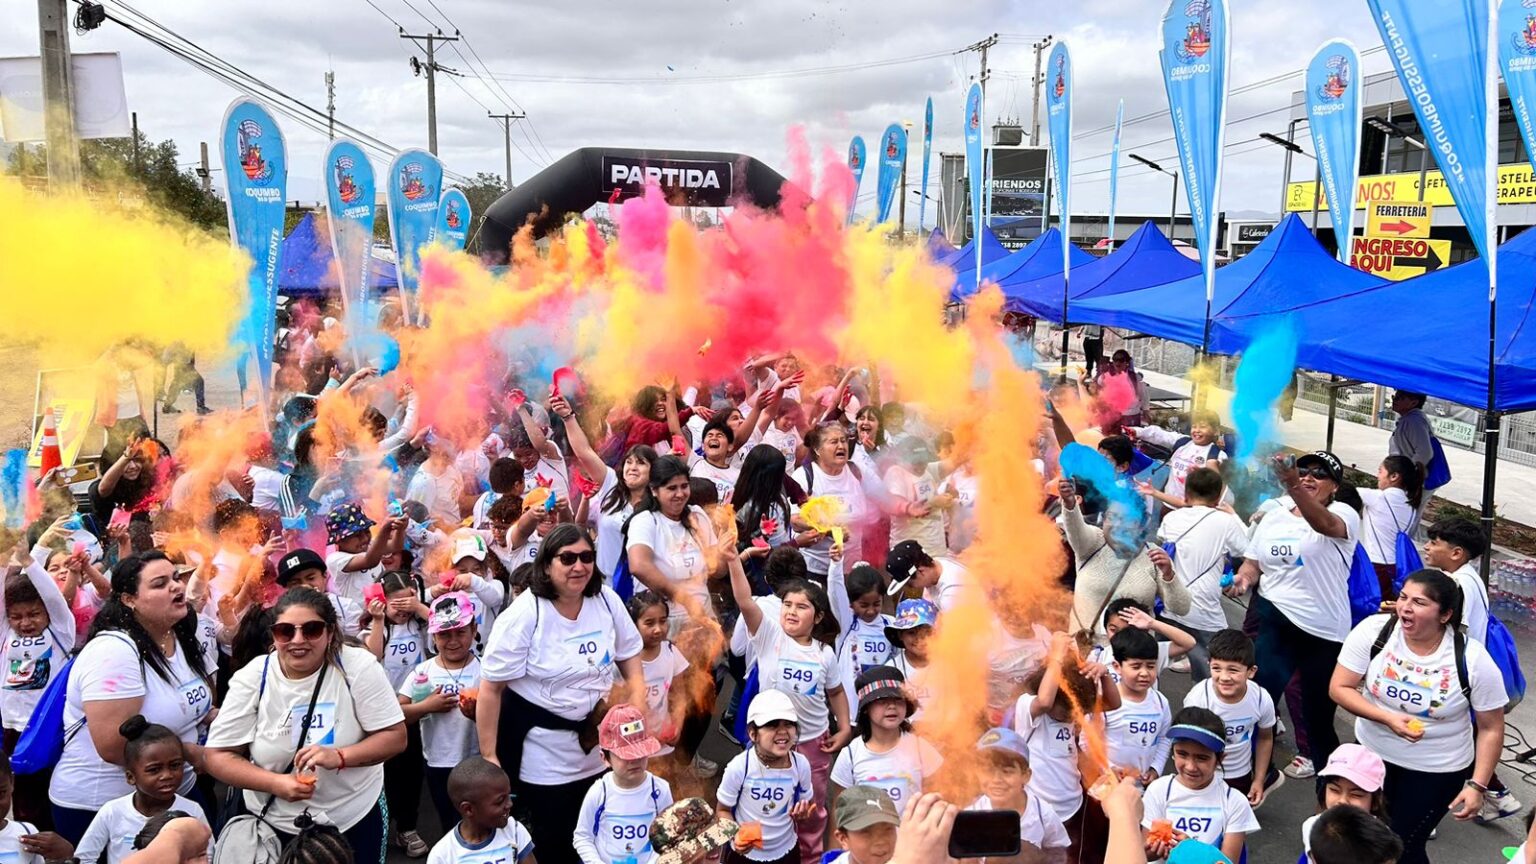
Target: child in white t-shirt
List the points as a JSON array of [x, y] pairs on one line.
[[769, 784], [18, 839], [440, 696], [482, 795], [359, 549], [397, 635], [1047, 720], [661, 663], [856, 601], [1190, 803], [154, 759], [1005, 777], [1136, 732], [1246, 711], [618, 810], [887, 754], [1200, 448]]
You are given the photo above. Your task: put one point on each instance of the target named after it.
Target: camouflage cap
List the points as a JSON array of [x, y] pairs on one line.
[[687, 829]]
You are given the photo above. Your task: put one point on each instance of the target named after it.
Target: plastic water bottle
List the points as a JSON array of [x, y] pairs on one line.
[[421, 687]]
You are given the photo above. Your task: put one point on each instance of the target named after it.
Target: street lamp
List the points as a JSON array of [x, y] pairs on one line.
[[1174, 207], [1291, 148], [1392, 130]]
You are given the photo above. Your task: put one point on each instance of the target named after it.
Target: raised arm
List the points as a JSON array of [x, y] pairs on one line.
[[536, 436], [1314, 511], [587, 459]]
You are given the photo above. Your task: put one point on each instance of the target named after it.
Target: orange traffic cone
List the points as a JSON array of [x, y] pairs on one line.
[[51, 456]]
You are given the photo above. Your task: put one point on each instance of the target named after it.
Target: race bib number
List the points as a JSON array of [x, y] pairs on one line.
[[588, 650], [625, 837], [1063, 742], [196, 698], [799, 677], [768, 796], [403, 652], [1200, 823], [322, 723]]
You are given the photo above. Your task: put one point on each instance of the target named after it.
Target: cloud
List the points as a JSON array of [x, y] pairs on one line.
[[292, 43]]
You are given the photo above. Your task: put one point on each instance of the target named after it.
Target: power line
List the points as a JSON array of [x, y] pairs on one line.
[[278, 100], [720, 78]]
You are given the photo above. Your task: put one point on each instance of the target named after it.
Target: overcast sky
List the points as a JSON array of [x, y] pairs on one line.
[[671, 56]]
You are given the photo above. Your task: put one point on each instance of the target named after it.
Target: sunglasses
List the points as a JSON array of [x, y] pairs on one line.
[[569, 559], [312, 630], [1314, 472]]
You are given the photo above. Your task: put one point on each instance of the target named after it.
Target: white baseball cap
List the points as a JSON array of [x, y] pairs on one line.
[[771, 705], [468, 545]]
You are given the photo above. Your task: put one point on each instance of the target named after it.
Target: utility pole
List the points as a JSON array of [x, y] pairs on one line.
[[330, 105], [432, 69], [138, 164], [1034, 123], [58, 94], [506, 128], [986, 154], [203, 171]]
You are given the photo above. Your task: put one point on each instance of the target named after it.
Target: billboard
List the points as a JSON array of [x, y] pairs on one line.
[[101, 106], [1018, 194]]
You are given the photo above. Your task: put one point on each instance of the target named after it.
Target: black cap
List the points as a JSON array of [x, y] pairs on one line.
[[298, 559], [1325, 460], [902, 563], [879, 682]]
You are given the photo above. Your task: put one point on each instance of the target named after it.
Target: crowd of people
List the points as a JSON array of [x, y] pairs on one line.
[[541, 626]]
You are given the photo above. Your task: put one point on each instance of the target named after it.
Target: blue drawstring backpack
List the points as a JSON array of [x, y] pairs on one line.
[[749, 688], [1408, 560], [1364, 587], [42, 742], [1501, 647], [623, 580], [1438, 472]]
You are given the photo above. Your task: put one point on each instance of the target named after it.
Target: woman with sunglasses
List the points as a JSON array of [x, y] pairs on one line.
[[144, 656], [549, 665], [1300, 556], [334, 763]]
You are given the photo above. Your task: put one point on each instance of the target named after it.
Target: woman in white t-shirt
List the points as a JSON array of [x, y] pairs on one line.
[[1300, 555], [1390, 508], [552, 657], [669, 545], [829, 473], [308, 727], [1410, 678], [143, 657]]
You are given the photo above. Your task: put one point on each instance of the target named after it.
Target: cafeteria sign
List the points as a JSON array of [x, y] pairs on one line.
[[1517, 185]]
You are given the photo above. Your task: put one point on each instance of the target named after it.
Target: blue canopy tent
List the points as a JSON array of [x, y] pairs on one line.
[[307, 269], [1288, 264], [939, 246], [1145, 259], [963, 260], [1041, 258], [1428, 334]]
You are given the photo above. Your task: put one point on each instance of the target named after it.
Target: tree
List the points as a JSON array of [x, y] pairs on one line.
[[482, 191], [108, 167]]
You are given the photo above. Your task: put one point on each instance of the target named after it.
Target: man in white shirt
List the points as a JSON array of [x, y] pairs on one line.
[[1203, 538]]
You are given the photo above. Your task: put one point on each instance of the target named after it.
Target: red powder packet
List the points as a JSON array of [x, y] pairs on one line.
[[373, 592]]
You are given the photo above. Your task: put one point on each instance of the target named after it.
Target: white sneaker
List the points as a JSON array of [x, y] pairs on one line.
[[1301, 768], [1179, 665], [703, 768], [1497, 805], [1279, 727], [411, 842]]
